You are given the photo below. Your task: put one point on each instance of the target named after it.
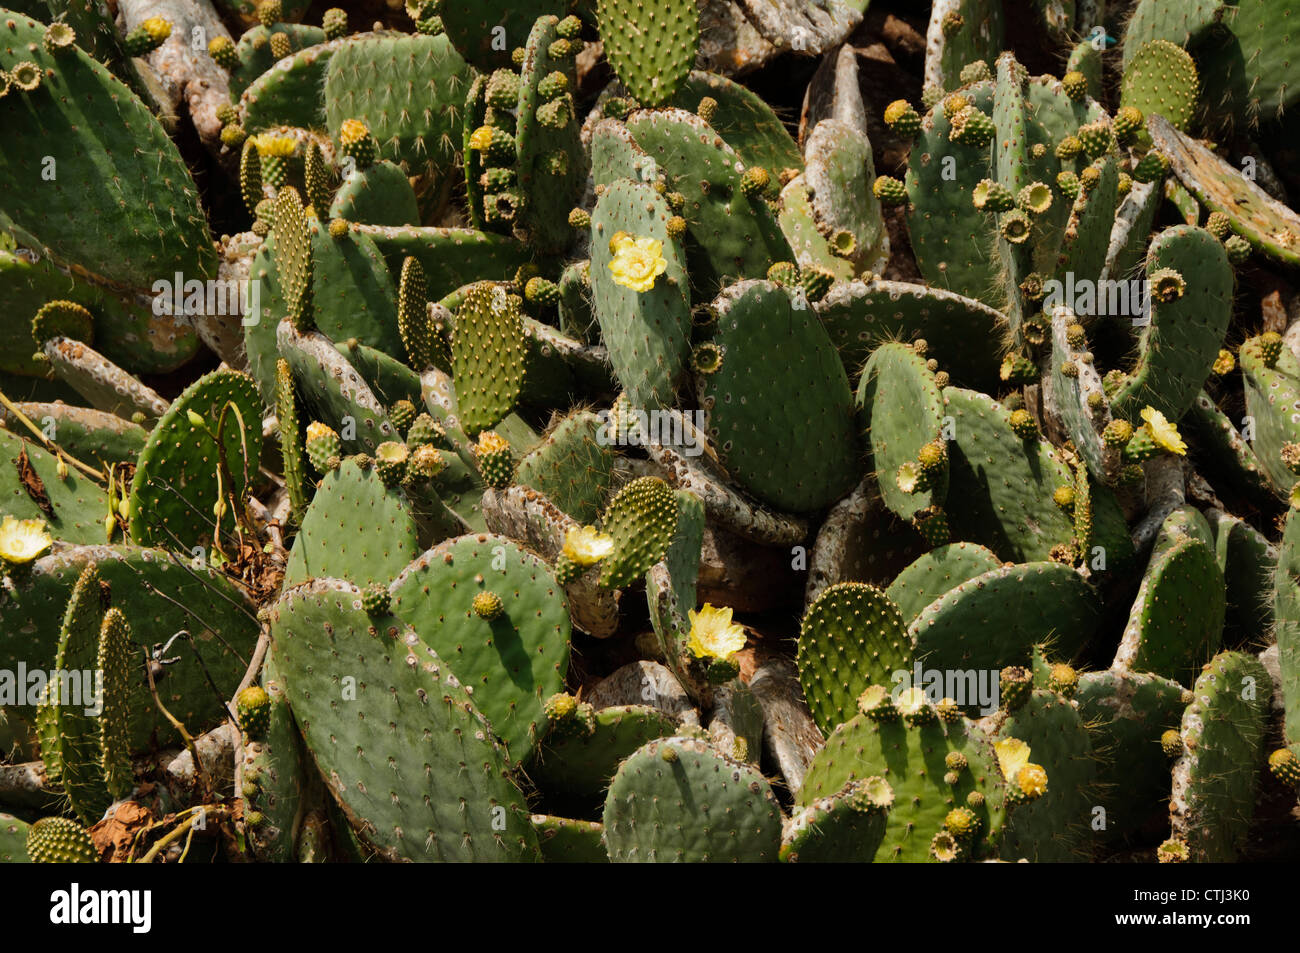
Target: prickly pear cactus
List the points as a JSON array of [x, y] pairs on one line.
[[649, 430]]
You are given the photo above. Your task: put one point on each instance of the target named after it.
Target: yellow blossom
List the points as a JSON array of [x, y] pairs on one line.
[[1013, 754], [489, 441], [157, 28], [21, 541], [587, 545], [1032, 780], [269, 145], [352, 130], [637, 261], [1164, 433], [713, 634]]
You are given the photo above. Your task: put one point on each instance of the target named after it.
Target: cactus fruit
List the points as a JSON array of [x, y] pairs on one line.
[[495, 459], [322, 446], [253, 709], [902, 118]]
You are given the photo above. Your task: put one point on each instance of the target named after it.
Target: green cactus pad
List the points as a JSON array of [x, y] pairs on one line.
[[647, 331], [159, 595], [743, 119], [1178, 348], [77, 506], [734, 236], [292, 455], [101, 212], [860, 315], [579, 768], [1088, 229], [851, 637], [59, 840], [254, 55], [995, 619], [798, 223], [567, 841], [333, 391], [92, 436], [651, 55], [69, 728], [785, 433], [961, 32], [290, 93], [352, 296], [1160, 79], [1215, 781], [1055, 828], [680, 799], [572, 467], [1005, 484], [551, 189], [1182, 23], [355, 529], [847, 827], [486, 33], [840, 173], [1072, 397], [451, 257], [1183, 522], [179, 477], [1222, 450], [1176, 622], [434, 786], [487, 357], [952, 239], [671, 592], [1248, 562], [1272, 404], [1247, 62], [912, 760], [901, 411], [510, 664], [369, 78], [1127, 712], [130, 333], [274, 775], [1286, 612], [936, 573], [13, 840], [642, 519], [389, 379], [380, 194]]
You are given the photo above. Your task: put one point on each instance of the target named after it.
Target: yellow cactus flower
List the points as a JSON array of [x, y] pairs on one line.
[[353, 130], [1013, 754], [489, 441], [637, 261], [279, 146], [1164, 433], [316, 430], [480, 138], [157, 28], [587, 545], [1032, 780], [713, 634], [21, 541]]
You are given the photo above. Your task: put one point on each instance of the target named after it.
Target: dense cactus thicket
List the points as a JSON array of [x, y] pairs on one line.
[[649, 430]]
